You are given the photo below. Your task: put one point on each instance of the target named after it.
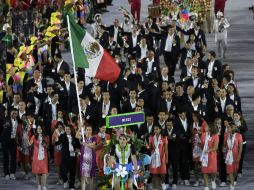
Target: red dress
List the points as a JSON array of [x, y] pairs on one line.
[[99, 154], [162, 169], [233, 168], [39, 166], [212, 156]]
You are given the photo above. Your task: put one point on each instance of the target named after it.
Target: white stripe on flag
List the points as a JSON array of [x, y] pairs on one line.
[[94, 61]]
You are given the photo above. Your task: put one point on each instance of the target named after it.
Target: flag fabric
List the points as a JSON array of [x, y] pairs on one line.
[[89, 54]]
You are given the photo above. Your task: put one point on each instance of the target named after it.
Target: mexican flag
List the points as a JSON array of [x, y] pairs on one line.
[[89, 54]]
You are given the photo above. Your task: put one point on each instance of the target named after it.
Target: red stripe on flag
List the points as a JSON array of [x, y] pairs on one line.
[[108, 69]]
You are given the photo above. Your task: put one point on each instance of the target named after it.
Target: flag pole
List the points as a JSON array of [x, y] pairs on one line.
[[75, 79]]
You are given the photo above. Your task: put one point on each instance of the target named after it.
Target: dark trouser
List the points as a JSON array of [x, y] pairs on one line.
[[222, 167], [178, 157], [184, 150], [68, 166], [171, 61], [241, 161], [9, 148]]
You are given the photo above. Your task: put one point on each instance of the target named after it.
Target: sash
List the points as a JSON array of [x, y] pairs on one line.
[[204, 155], [230, 142], [155, 157]]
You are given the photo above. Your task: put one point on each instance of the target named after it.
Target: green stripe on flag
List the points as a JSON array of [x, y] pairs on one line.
[[76, 35]]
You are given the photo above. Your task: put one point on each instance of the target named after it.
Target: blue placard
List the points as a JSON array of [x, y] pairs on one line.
[[125, 119]]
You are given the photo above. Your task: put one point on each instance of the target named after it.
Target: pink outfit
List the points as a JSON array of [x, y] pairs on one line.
[[212, 156]]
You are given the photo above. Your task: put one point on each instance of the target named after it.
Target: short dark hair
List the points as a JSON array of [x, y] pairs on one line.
[[212, 53]]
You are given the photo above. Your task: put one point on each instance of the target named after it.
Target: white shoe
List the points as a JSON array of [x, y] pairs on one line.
[[44, 188], [206, 188], [213, 185], [196, 184], [174, 186], [163, 186], [235, 183], [39, 187], [223, 184], [65, 185], [186, 182], [232, 187], [72, 189], [12, 176], [7, 177]]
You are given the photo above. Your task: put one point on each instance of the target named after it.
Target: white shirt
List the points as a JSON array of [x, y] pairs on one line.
[[184, 123], [115, 34], [195, 107], [232, 97], [169, 42], [149, 66], [150, 128], [67, 86], [40, 89], [54, 111], [210, 69], [134, 40], [21, 114], [164, 78], [58, 66], [143, 51], [105, 109], [195, 82], [14, 128], [168, 104], [189, 71], [133, 105], [223, 104]]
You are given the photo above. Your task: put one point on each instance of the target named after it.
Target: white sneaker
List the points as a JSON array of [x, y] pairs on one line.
[[213, 185], [186, 182], [196, 184], [235, 183], [39, 187], [232, 187], [7, 177], [206, 188], [163, 186], [12, 176], [44, 188], [223, 184], [174, 186], [65, 185]]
